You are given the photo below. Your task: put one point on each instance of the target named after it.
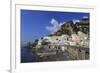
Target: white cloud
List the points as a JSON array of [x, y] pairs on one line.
[[85, 17], [49, 28], [55, 26], [54, 22]]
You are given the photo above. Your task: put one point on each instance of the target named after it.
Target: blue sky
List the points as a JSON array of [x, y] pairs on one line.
[[34, 23]]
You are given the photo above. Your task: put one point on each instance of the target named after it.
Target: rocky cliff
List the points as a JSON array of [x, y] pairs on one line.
[[70, 27]]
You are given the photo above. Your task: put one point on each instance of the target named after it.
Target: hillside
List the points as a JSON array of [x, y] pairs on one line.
[[71, 39]]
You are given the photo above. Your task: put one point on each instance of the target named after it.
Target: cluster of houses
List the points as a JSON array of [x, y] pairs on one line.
[[79, 39]]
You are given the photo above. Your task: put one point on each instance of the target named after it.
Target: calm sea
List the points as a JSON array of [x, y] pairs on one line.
[[27, 56]]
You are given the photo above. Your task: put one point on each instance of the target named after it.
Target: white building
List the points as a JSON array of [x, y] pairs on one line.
[[75, 38]]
